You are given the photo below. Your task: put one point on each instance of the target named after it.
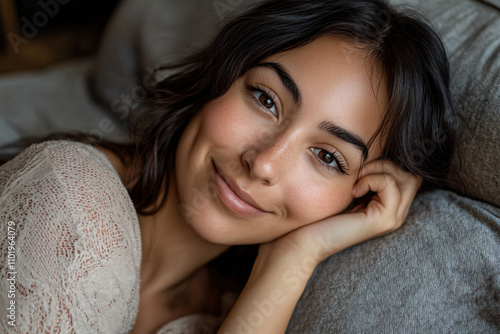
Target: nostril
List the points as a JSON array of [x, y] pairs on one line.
[[246, 165], [248, 157], [236, 167]]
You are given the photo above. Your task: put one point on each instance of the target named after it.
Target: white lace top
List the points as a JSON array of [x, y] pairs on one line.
[[71, 247]]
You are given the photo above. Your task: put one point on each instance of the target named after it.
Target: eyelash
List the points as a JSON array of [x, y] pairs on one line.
[[341, 165], [266, 91]]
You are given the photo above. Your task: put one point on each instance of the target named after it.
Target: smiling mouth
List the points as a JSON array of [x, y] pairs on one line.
[[234, 198]]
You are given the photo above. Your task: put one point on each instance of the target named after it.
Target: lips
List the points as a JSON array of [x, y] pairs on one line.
[[233, 197]]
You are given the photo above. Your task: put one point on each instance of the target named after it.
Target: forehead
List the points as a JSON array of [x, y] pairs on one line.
[[338, 83]]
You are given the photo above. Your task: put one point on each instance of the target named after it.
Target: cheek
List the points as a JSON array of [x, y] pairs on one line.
[[224, 122], [310, 202]]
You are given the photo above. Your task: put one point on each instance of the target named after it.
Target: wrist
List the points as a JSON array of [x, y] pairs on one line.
[[275, 285], [282, 263]]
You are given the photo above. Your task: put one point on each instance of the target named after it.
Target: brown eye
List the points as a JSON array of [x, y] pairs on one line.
[[326, 156], [330, 160], [266, 101]]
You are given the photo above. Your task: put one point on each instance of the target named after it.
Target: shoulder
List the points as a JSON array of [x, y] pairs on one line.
[[77, 234], [77, 172], [71, 164], [71, 178], [56, 157], [71, 184], [70, 187], [58, 154]]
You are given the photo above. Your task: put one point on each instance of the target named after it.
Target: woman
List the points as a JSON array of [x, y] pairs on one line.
[[298, 128]]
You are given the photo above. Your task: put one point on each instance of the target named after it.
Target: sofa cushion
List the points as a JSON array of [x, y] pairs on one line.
[[439, 273]]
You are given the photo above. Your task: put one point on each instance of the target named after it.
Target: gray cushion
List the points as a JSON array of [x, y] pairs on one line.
[[440, 273]]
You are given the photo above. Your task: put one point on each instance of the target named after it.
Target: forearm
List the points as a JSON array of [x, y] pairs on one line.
[[270, 295]]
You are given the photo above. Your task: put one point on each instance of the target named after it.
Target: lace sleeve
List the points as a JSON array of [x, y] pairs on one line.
[[77, 243]]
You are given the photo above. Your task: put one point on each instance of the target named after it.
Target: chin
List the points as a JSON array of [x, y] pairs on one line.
[[217, 229], [208, 227]]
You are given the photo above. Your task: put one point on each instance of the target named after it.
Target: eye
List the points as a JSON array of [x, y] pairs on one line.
[[330, 160], [264, 98]]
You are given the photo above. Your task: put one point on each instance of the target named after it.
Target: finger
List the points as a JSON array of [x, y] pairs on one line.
[[386, 188], [383, 167], [408, 188], [406, 196], [404, 179], [406, 183]]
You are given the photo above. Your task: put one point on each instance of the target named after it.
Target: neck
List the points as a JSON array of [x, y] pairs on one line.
[[172, 251]]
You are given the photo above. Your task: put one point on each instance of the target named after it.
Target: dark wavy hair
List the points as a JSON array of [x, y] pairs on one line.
[[418, 126]]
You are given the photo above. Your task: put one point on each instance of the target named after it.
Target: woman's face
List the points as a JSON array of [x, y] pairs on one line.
[[281, 149]]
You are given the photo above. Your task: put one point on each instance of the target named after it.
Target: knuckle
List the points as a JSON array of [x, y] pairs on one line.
[[390, 164], [390, 180]]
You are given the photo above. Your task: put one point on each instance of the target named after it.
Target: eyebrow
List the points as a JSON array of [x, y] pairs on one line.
[[286, 79], [327, 126], [346, 136]]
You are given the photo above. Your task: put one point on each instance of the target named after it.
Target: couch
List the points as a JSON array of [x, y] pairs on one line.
[[439, 273]]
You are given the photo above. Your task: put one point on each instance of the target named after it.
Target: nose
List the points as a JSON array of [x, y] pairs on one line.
[[268, 159]]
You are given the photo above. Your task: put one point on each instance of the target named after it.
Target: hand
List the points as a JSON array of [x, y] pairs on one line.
[[394, 191]]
